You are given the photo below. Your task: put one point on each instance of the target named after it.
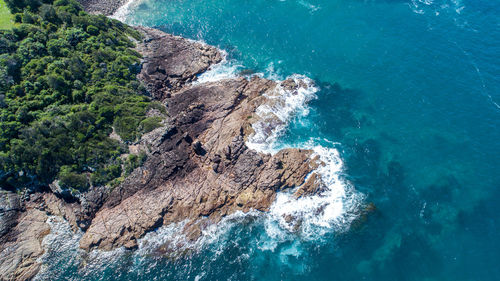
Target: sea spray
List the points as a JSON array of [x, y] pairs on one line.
[[275, 115], [332, 209], [62, 241]]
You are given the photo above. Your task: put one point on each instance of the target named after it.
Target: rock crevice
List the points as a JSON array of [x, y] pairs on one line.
[[198, 168], [202, 166]]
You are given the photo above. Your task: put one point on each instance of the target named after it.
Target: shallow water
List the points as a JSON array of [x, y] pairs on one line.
[[409, 99]]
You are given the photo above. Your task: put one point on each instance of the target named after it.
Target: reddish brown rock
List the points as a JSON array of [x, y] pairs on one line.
[[198, 167], [170, 61], [202, 167]]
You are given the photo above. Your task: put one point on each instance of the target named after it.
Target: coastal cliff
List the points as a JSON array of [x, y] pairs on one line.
[[198, 168]]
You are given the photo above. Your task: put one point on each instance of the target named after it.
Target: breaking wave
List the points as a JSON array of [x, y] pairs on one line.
[[291, 219], [226, 69], [275, 115], [337, 203], [122, 12]]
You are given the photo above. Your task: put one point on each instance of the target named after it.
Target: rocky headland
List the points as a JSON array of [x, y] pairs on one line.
[[199, 167]]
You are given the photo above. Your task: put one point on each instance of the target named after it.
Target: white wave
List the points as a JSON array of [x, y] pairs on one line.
[[275, 115], [312, 8], [122, 13], [310, 217], [336, 206], [60, 243], [333, 209], [226, 69], [62, 253], [171, 241]]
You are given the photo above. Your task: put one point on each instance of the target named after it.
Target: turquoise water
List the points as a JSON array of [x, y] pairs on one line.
[[409, 96]]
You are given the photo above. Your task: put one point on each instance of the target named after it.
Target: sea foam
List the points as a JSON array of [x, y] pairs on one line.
[[122, 12], [226, 69], [275, 115], [337, 204], [62, 241], [331, 210]]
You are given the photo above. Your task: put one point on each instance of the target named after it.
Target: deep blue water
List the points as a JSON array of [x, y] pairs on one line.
[[410, 91]]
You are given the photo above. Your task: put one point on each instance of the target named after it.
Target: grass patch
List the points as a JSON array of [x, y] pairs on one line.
[[5, 16]]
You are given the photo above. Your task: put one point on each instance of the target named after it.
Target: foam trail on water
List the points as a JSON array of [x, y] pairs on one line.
[[336, 204], [312, 8], [275, 115], [437, 7], [332, 209]]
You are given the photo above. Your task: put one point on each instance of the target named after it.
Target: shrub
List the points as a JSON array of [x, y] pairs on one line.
[[71, 180], [133, 161], [149, 124], [126, 127], [92, 30], [66, 78]]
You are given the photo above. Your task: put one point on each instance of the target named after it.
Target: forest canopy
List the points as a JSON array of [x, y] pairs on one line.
[[67, 79]]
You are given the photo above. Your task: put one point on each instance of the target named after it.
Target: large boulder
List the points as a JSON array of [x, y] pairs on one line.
[[170, 62]]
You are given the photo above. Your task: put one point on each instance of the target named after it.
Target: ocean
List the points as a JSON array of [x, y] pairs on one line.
[[405, 112]]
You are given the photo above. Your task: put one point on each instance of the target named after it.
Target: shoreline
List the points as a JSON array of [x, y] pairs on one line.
[[213, 158]]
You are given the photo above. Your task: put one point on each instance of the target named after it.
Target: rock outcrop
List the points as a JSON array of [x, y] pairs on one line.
[[170, 62], [22, 243], [10, 207], [23, 225], [199, 167]]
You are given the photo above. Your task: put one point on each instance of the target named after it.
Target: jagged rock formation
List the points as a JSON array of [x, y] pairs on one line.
[[170, 62], [201, 167], [198, 166], [22, 230]]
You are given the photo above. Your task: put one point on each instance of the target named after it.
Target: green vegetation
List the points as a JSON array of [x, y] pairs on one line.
[[66, 79], [5, 16]]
